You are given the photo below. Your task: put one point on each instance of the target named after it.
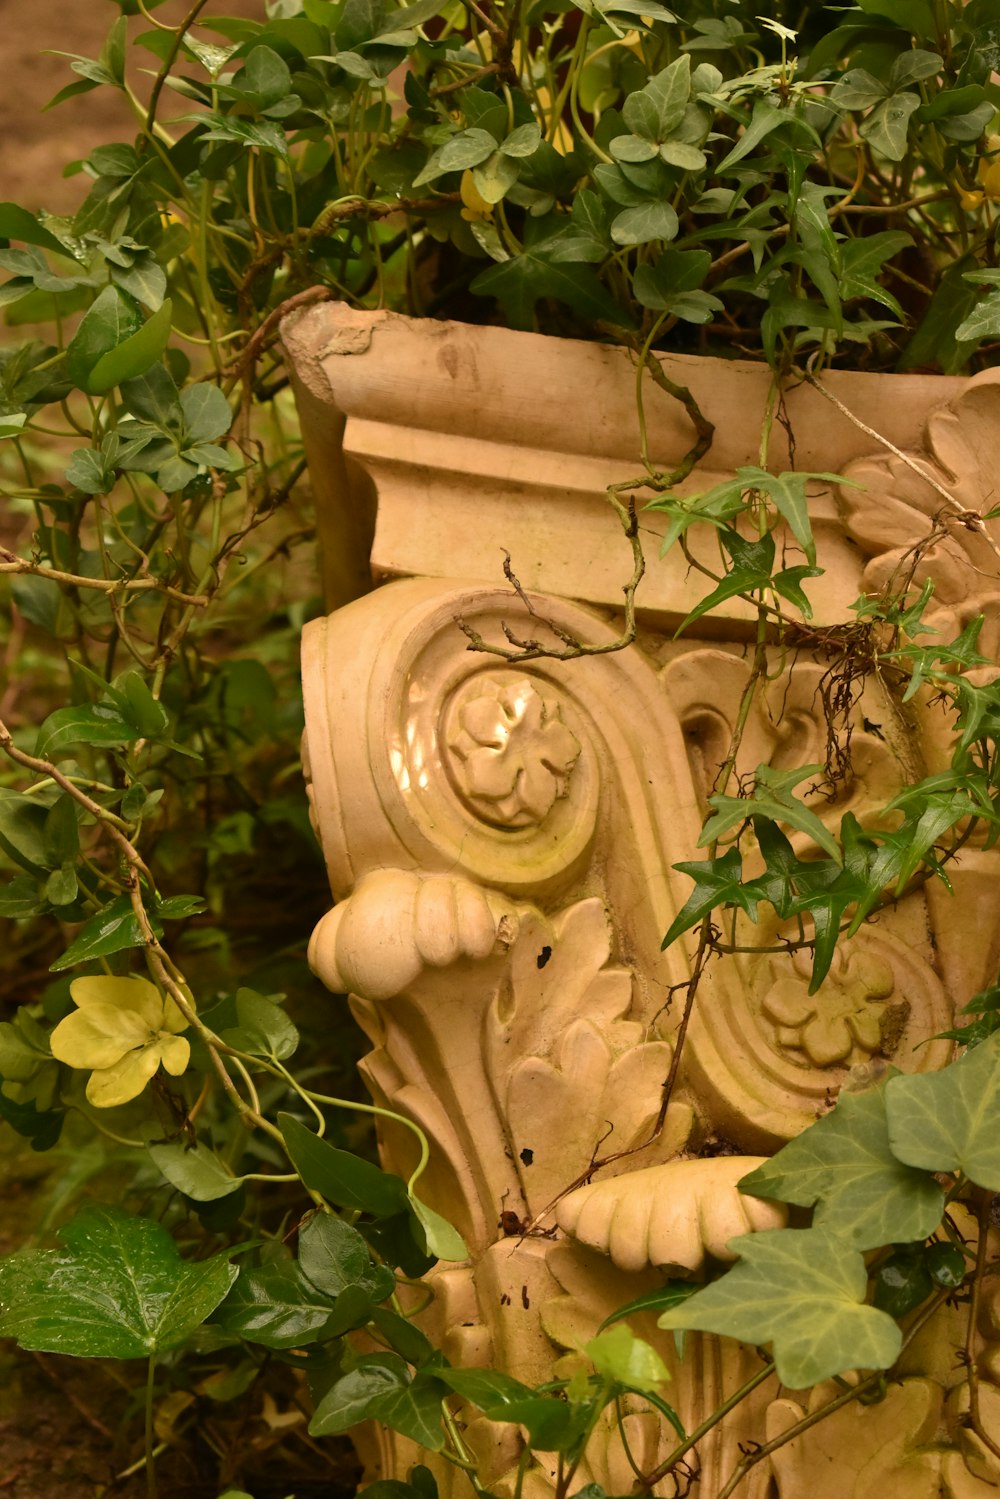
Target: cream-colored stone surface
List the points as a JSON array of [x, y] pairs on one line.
[[500, 841]]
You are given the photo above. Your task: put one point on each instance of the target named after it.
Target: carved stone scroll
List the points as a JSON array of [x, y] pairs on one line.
[[500, 841]]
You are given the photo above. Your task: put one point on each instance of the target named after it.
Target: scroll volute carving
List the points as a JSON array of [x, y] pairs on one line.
[[500, 839]]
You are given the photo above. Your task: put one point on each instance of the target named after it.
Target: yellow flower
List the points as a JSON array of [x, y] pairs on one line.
[[122, 1031]]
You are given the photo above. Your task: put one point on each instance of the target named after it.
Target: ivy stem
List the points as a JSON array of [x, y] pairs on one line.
[[151, 1489]]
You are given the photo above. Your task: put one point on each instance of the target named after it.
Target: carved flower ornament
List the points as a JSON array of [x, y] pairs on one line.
[[122, 1031], [844, 1020], [511, 752], [900, 498]]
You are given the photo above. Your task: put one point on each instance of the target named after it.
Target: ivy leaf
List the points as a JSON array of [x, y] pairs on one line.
[[646, 222], [333, 1255], [521, 281], [844, 1165], [354, 1397], [983, 321], [414, 1410], [772, 798], [654, 112], [116, 1288], [206, 413], [262, 1027], [751, 571], [802, 1291], [718, 882], [278, 1307], [887, 127], [946, 1121]]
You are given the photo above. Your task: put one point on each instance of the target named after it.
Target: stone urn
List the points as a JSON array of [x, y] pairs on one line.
[[501, 831]]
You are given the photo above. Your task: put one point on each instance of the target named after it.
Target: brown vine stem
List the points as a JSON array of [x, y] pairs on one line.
[[533, 649], [984, 1203], [649, 1480], [872, 1381], [11, 563], [168, 62], [572, 649]]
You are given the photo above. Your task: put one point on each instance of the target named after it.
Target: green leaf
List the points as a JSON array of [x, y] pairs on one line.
[[334, 1256], [494, 177], [90, 472], [206, 413], [640, 225], [902, 1282], [113, 929], [467, 149], [859, 89], [803, 1291], [22, 831], [135, 355], [844, 1165], [655, 111], [675, 271], [152, 397], [343, 1178], [17, 223], [523, 141], [887, 127], [717, 882], [42, 1127], [772, 798], [751, 571], [914, 16], [983, 321], [116, 1288], [500, 1397], [946, 1121], [674, 1292], [443, 1241], [112, 319], [263, 1027], [521, 281], [619, 1355], [92, 723], [276, 1306], [414, 1410], [766, 118], [405, 1338], [355, 1396], [195, 1170]]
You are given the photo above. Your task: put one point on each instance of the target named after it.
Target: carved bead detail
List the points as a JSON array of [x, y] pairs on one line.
[[844, 1020], [510, 753]]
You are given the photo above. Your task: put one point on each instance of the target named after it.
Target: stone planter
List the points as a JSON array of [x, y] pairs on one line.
[[500, 839]]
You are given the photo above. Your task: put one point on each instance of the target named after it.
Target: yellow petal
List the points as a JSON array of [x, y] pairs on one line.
[[126, 993], [472, 198], [175, 1053], [173, 1019], [110, 1086], [98, 1036]]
